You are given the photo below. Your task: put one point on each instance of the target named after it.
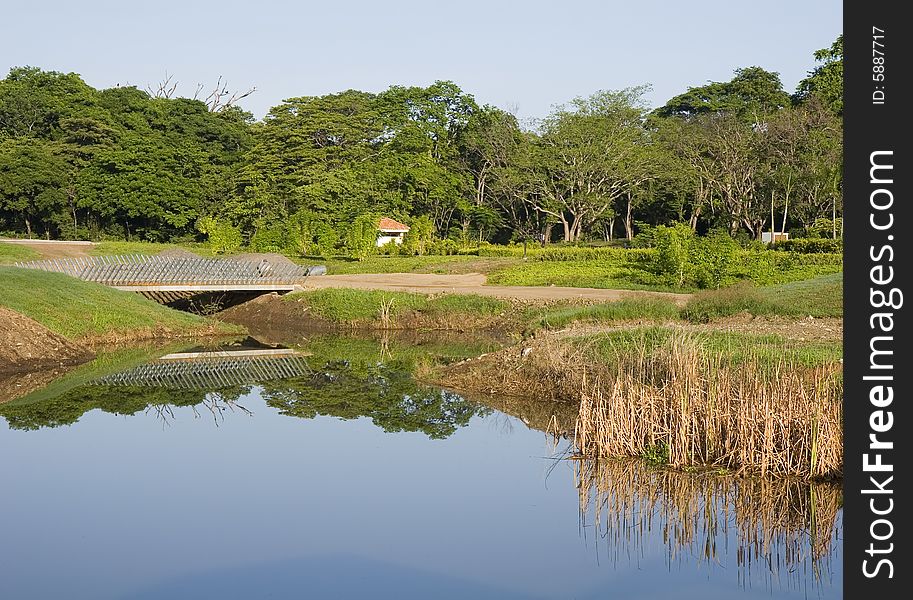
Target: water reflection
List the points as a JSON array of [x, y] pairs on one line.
[[347, 378], [654, 525], [784, 530]]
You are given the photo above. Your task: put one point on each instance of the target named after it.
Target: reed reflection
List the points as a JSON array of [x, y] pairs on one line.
[[777, 531]]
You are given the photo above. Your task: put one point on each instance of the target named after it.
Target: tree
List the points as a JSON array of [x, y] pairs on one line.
[[33, 174], [749, 96], [826, 80], [588, 155]]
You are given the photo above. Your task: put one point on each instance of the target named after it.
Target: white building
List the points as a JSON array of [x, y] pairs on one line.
[[390, 231]]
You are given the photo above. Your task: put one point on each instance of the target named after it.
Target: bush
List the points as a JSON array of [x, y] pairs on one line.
[[418, 240], [273, 238], [824, 228], [223, 237], [361, 239], [674, 247], [809, 245], [713, 257]]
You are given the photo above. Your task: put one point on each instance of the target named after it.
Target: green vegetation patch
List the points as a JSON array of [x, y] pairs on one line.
[[401, 264], [75, 308], [10, 253], [817, 297], [655, 309], [734, 348], [342, 305]]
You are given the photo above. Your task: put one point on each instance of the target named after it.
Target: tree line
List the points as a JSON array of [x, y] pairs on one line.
[[742, 155]]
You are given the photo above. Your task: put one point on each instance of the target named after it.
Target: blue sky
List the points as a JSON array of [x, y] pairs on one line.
[[522, 56]]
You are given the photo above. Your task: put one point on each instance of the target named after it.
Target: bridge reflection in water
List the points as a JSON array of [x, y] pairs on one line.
[[212, 370]]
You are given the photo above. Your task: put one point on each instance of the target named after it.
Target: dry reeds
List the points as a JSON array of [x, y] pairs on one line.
[[778, 525], [779, 418]]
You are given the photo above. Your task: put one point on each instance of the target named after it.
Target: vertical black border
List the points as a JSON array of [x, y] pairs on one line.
[[871, 127]]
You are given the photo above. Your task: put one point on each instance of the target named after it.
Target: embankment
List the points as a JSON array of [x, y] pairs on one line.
[[753, 404], [51, 319]]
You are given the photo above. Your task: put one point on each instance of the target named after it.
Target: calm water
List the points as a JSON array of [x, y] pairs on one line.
[[350, 480]]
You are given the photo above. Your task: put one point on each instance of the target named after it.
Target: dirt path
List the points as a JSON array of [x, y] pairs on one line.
[[474, 283], [54, 248]]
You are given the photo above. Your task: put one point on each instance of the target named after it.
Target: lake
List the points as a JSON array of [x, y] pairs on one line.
[[330, 472]]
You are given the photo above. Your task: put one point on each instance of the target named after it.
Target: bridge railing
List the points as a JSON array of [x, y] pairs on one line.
[[141, 270]]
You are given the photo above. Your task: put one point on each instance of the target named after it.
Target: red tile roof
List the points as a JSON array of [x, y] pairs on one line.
[[391, 225]]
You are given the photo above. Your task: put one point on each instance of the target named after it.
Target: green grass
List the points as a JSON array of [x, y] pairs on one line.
[[341, 305], [145, 248], [10, 253], [653, 309], [406, 264], [77, 309], [736, 348], [608, 274], [818, 297]]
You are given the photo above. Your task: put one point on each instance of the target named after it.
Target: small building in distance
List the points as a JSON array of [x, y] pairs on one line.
[[390, 231], [767, 237]]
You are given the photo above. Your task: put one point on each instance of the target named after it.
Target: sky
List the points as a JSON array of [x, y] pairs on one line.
[[525, 57]]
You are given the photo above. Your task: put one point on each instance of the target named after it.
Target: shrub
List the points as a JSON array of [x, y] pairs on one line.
[[674, 247], [419, 238], [272, 238], [810, 245], [223, 237], [361, 239], [713, 257]]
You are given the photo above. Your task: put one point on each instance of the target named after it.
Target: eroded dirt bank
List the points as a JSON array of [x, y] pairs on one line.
[[27, 345]]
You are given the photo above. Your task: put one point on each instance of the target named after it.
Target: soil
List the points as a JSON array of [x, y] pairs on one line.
[[474, 283], [27, 345]]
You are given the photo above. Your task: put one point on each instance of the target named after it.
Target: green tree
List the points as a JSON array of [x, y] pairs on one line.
[[33, 175], [826, 80]]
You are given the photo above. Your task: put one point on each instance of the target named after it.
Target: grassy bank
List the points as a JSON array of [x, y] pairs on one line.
[[818, 297], [80, 310], [741, 402], [10, 253], [372, 309]]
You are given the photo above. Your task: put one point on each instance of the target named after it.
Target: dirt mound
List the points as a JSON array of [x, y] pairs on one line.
[[26, 344]]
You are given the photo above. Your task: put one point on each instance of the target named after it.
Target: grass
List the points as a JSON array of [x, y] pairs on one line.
[[817, 297], [652, 309], [10, 253], [350, 306], [145, 248], [79, 309], [633, 269], [766, 351], [407, 264]]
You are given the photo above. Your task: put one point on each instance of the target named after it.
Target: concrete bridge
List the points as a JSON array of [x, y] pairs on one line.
[[167, 278]]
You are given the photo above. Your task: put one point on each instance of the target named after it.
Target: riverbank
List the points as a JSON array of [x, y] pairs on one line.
[[52, 320], [681, 396]]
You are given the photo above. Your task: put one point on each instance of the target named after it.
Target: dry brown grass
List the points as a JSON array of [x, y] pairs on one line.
[[778, 524], [777, 419]]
